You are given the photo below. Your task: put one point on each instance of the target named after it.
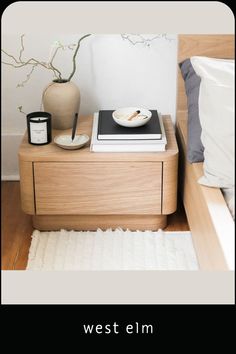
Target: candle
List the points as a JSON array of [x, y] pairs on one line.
[[39, 128]]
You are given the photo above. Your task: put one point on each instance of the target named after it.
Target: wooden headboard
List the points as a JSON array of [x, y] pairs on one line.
[[205, 207], [214, 46]]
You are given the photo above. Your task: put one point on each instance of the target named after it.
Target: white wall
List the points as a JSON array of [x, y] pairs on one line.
[[111, 72]]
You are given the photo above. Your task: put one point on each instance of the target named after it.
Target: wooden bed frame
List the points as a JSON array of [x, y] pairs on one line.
[[209, 219]]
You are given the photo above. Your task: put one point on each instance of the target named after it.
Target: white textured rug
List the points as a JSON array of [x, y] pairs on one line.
[[111, 250]]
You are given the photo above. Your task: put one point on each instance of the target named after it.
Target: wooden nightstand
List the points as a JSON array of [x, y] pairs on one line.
[[83, 190]]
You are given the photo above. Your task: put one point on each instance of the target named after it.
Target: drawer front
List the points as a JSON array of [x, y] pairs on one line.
[[97, 188]]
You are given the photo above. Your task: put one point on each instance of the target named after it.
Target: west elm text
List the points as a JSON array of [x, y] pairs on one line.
[[114, 328]]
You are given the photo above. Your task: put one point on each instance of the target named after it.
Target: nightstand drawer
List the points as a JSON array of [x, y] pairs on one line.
[[80, 188]]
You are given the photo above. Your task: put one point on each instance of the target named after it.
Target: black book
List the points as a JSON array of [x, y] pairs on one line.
[[108, 129]]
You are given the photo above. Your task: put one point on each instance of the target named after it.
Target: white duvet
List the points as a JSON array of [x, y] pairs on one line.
[[229, 196], [216, 114]]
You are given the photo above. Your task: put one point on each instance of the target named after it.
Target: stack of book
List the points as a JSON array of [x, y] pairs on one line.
[[108, 136]]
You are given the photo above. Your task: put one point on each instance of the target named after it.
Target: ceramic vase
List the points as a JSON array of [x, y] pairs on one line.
[[62, 100]]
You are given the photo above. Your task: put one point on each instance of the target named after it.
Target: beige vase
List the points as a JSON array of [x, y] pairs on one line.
[[62, 100]]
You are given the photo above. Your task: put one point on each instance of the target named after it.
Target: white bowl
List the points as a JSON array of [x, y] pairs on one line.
[[65, 142], [120, 116]]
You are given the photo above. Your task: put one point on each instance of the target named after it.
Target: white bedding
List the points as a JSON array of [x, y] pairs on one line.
[[216, 114], [229, 196]]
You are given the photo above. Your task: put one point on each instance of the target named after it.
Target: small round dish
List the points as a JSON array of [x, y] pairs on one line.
[[65, 142], [121, 116]]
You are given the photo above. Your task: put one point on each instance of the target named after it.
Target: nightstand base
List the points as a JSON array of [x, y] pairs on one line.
[[93, 222]]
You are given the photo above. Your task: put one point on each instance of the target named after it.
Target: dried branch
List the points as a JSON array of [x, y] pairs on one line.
[[10, 64], [11, 56], [50, 63], [34, 63], [142, 40], [52, 66], [74, 56], [27, 77], [71, 46], [22, 46], [20, 110], [19, 63]]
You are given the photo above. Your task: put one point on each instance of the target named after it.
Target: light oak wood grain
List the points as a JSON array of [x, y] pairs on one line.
[[81, 182], [212, 45], [98, 188], [16, 228], [169, 186], [206, 210], [27, 187], [93, 222], [54, 153]]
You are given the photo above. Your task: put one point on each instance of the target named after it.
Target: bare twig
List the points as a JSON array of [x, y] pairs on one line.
[[33, 62], [52, 66], [19, 63], [10, 64], [74, 56], [22, 46], [11, 56], [27, 77], [71, 46], [140, 39], [20, 110]]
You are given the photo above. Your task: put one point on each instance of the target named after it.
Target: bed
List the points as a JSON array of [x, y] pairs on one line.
[[209, 218]]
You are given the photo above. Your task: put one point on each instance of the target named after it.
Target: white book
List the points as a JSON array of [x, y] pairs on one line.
[[127, 148], [124, 145]]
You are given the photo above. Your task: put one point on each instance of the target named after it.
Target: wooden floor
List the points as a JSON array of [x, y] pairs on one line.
[[17, 228]]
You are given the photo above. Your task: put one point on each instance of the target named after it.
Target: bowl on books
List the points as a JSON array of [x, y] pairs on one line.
[[131, 117]]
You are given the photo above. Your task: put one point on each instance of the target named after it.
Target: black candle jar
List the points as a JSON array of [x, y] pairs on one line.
[[39, 128]]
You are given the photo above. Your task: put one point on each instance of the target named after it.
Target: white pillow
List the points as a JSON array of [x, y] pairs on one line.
[[216, 113]]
